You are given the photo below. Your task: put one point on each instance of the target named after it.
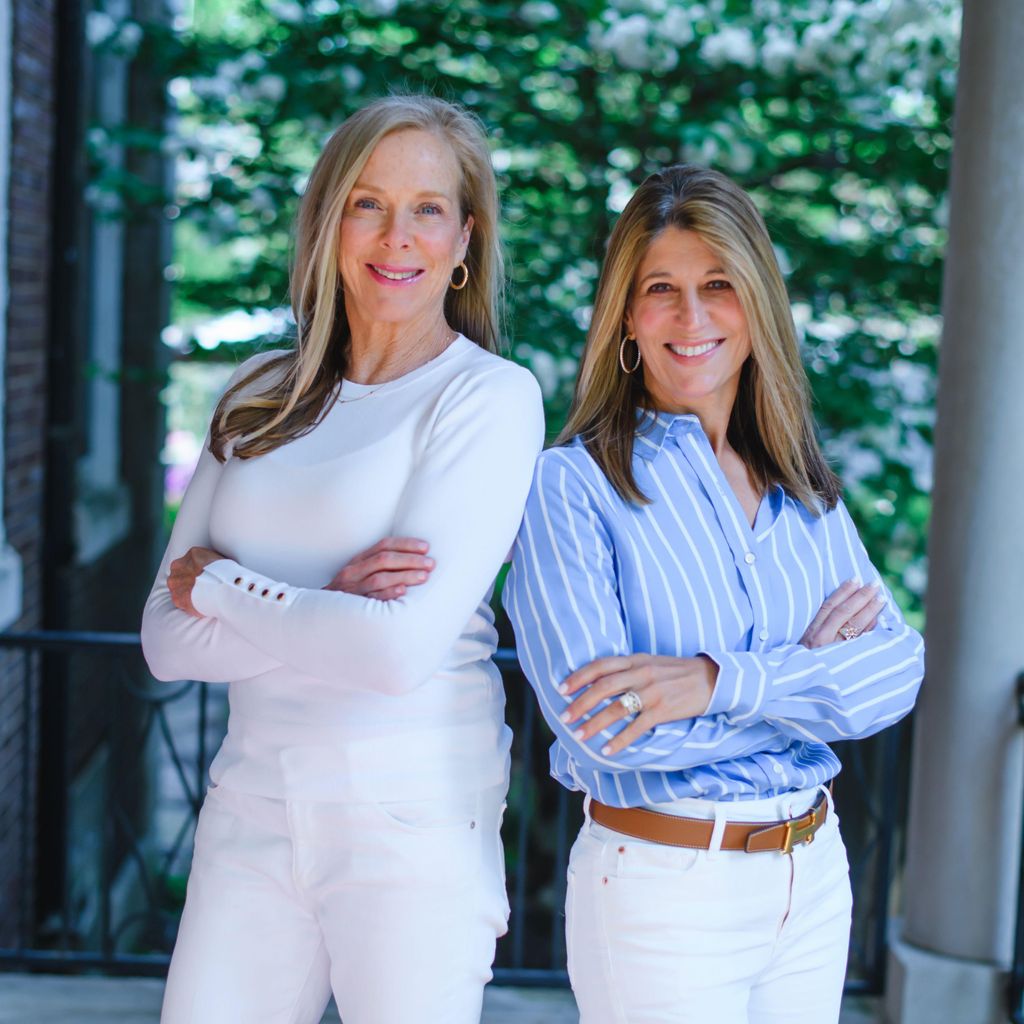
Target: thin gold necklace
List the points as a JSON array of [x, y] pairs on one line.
[[451, 336]]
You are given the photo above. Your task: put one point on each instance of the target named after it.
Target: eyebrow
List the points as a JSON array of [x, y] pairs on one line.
[[666, 273], [419, 195]]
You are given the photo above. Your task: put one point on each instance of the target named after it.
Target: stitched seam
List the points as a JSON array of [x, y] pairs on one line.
[[602, 907], [297, 1005]]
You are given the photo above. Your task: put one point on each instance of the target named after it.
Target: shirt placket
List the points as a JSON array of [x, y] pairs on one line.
[[745, 549]]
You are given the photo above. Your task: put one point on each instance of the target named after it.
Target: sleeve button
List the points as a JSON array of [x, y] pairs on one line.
[[252, 586], [280, 597], [265, 592], [238, 581]]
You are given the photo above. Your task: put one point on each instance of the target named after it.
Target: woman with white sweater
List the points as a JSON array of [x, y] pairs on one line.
[[349, 839]]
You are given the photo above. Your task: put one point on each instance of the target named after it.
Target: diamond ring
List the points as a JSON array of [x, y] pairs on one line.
[[631, 701], [848, 632]]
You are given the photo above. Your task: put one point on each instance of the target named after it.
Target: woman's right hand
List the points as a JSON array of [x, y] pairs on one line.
[[386, 570], [850, 606]]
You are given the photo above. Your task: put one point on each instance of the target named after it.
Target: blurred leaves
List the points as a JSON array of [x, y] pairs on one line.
[[834, 114]]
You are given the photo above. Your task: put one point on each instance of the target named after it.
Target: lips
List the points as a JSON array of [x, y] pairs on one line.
[[394, 275]]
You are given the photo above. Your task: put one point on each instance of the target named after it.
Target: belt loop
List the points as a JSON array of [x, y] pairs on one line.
[[826, 788], [718, 832], [586, 808]]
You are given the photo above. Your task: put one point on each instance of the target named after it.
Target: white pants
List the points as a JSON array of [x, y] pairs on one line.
[[659, 935], [396, 907]]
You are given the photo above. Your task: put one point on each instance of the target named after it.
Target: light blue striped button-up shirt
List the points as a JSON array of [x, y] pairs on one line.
[[594, 576]]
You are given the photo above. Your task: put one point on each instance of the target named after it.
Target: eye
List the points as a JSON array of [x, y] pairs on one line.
[[364, 203], [431, 208], [718, 285], [659, 288]]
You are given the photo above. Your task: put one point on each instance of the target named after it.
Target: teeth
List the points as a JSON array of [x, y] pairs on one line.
[[693, 350], [395, 275]]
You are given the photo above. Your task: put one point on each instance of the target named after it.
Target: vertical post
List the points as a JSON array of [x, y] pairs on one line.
[[1016, 992], [951, 960]]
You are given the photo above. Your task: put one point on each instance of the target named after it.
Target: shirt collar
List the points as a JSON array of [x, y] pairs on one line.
[[654, 428]]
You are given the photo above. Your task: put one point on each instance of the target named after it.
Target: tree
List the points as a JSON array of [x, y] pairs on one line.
[[834, 114]]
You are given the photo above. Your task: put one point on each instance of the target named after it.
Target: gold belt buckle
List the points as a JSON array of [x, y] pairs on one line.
[[797, 833]]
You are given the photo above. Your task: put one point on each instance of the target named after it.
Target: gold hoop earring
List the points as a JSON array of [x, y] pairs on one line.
[[465, 279], [622, 355]]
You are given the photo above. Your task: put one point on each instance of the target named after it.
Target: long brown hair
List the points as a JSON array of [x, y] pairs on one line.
[[770, 427], [292, 390]]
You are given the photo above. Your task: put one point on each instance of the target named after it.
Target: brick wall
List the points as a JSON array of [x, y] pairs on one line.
[[32, 130]]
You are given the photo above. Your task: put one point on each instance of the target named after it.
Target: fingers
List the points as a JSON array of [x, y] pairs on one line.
[[604, 718], [866, 619], [843, 591], [850, 604], [593, 671], [643, 722], [409, 545], [849, 609], [380, 568], [605, 686]]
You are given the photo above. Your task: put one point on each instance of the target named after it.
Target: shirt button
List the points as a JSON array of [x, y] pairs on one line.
[[763, 635], [777, 768], [750, 558]]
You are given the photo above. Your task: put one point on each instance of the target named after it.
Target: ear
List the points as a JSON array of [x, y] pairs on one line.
[[467, 230], [627, 319]]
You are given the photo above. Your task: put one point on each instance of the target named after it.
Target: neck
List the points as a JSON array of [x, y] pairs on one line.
[[714, 420], [380, 352]]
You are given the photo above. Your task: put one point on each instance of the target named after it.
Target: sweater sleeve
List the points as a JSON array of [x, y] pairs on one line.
[[562, 598], [177, 645], [465, 498], [845, 690]]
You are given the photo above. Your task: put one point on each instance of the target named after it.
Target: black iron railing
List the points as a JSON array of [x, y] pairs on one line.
[[1016, 989], [109, 899]]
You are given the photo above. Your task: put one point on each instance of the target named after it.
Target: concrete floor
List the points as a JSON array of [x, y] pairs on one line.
[[53, 999]]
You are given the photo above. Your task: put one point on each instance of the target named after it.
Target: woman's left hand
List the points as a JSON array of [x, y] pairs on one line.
[[183, 574], [669, 689]]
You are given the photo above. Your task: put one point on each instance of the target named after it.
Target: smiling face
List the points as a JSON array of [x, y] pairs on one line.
[[689, 325], [402, 232]]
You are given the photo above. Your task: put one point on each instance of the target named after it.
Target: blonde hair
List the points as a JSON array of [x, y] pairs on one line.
[[770, 427], [294, 395]]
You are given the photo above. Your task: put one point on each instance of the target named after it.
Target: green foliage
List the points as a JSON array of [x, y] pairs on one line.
[[834, 114]]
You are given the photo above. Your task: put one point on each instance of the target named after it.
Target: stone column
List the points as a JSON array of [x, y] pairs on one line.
[[949, 962]]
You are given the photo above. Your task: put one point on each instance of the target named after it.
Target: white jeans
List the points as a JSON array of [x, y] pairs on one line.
[[659, 935], [396, 907]]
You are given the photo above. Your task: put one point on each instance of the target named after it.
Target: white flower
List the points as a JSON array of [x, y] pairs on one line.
[[128, 38], [778, 51], [677, 27], [619, 194], [270, 87], [730, 45], [537, 12], [629, 40], [545, 369], [286, 10], [99, 27], [352, 77]]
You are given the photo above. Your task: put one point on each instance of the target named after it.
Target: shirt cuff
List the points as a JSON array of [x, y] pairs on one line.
[[221, 579], [739, 689]]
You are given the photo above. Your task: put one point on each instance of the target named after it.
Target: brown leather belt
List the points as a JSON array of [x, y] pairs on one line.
[[695, 833]]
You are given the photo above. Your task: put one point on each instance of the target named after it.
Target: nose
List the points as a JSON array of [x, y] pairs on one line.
[[396, 233], [692, 310]]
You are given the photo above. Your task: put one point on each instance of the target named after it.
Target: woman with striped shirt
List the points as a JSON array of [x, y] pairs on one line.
[[699, 620]]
